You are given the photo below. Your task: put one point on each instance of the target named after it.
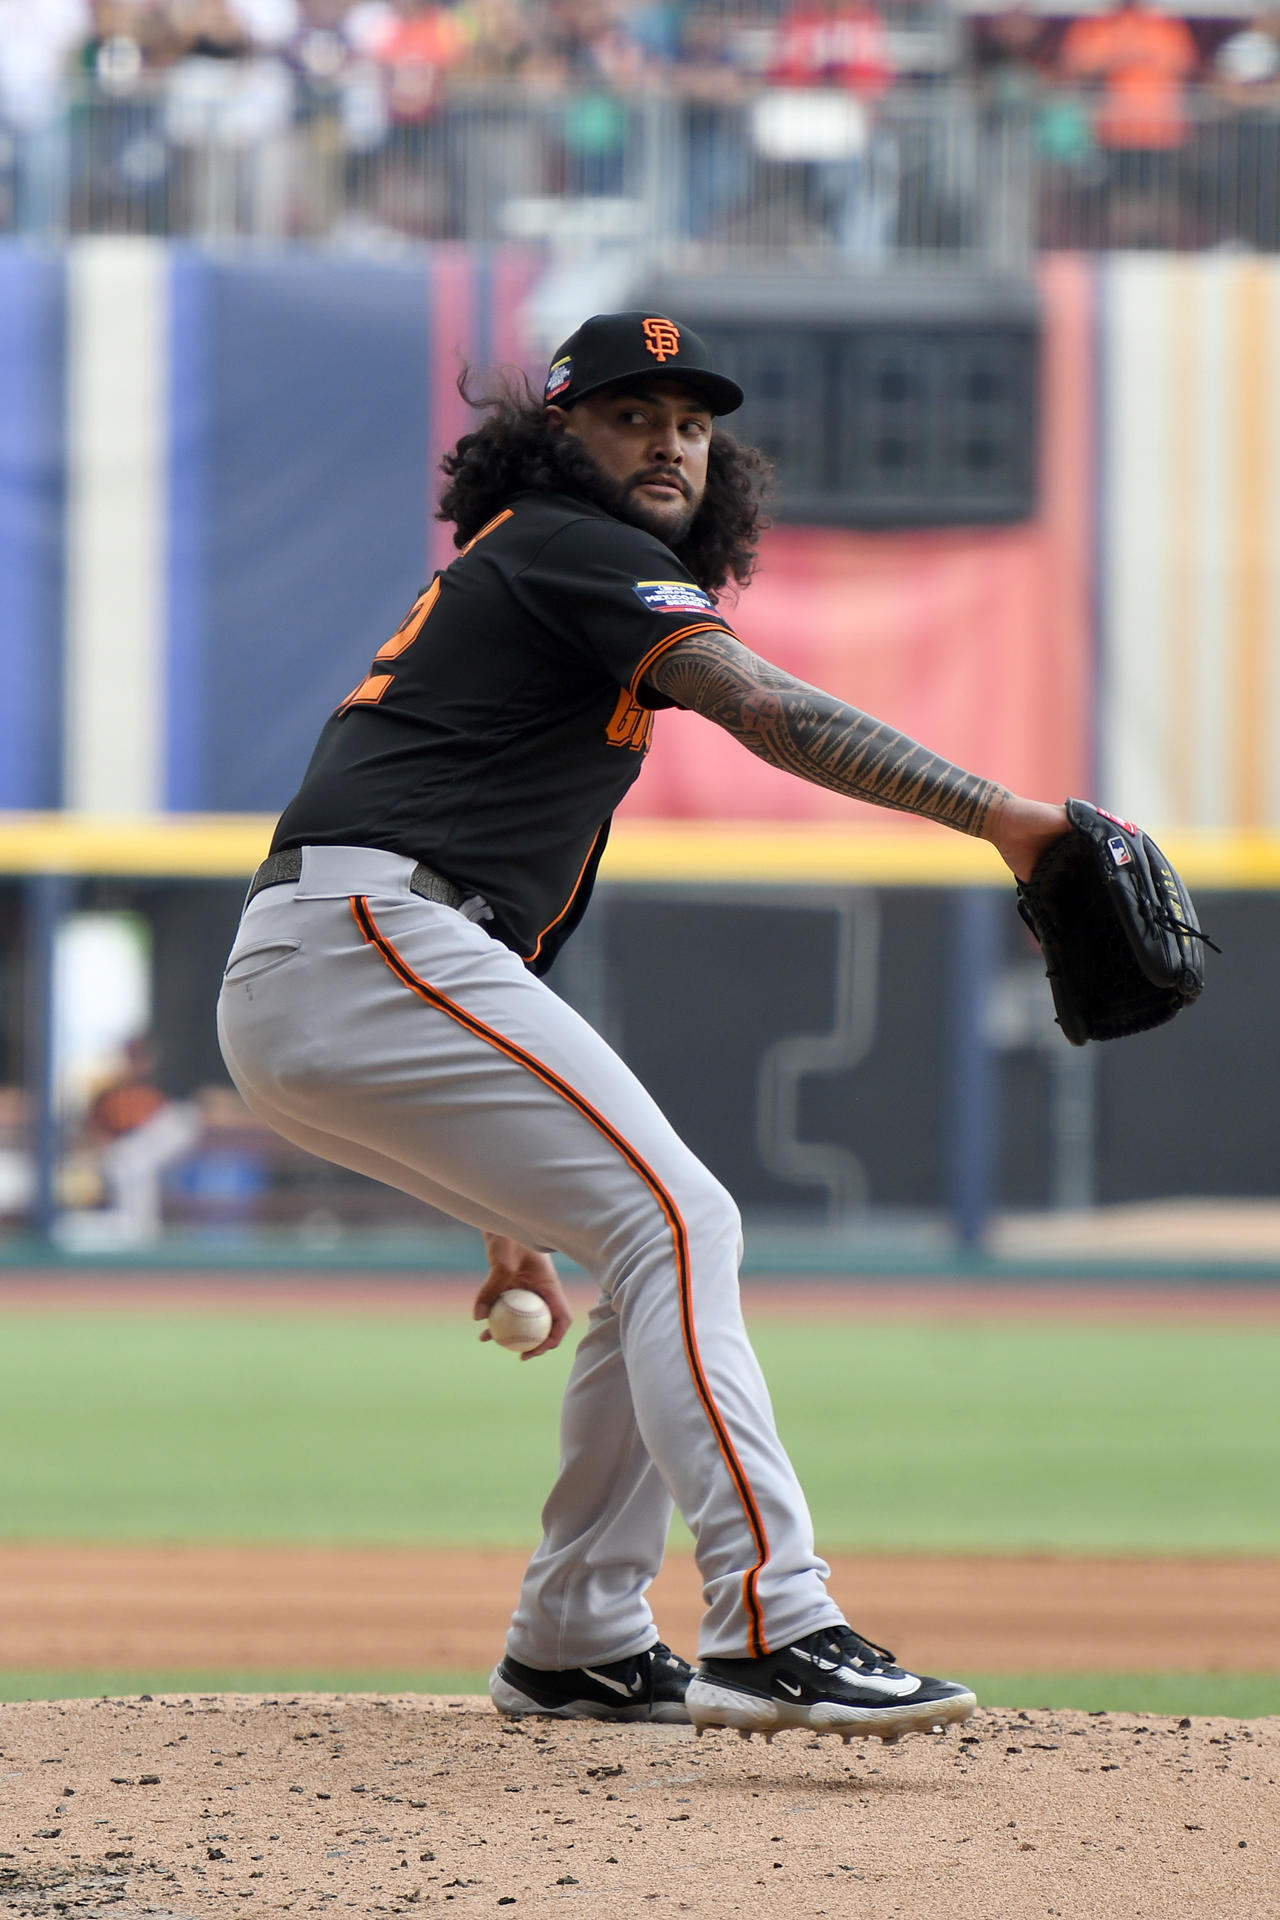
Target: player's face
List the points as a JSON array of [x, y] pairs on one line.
[[650, 442]]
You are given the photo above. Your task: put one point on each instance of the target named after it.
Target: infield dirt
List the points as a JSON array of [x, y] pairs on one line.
[[188, 1806], [210, 1609], [178, 1807]]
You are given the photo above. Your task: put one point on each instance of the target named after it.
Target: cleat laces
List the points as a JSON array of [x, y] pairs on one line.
[[851, 1650]]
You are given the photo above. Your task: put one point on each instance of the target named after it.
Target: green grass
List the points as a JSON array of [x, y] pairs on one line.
[[390, 1428], [1237, 1696], [86, 1685], [1026, 1436], [283, 1428]]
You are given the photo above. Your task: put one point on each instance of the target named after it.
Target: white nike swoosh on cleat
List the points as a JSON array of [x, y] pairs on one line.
[[870, 1681], [616, 1686], [880, 1682], [791, 1686]]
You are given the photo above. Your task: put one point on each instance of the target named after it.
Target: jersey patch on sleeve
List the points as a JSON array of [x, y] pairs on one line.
[[673, 596]]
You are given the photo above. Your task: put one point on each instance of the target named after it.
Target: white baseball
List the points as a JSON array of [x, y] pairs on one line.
[[519, 1320]]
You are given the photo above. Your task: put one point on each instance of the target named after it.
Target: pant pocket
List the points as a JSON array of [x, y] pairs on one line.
[[250, 963]]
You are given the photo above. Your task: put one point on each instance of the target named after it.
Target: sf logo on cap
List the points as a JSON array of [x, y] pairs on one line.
[[662, 337]]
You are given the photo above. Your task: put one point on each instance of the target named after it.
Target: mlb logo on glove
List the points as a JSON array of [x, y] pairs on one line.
[[1118, 850]]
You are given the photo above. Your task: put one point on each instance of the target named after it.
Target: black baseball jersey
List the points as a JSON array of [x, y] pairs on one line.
[[504, 720]]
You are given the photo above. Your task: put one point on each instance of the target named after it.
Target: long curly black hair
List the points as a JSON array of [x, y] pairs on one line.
[[513, 450]]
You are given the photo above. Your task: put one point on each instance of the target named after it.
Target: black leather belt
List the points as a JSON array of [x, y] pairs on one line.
[[287, 865]]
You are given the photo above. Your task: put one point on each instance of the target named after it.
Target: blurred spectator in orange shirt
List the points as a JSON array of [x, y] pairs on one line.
[[418, 45], [1141, 59]]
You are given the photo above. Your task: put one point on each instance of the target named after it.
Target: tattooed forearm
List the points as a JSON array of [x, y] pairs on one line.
[[810, 733]]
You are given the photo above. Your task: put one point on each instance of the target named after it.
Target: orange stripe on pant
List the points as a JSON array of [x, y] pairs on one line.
[[371, 933]]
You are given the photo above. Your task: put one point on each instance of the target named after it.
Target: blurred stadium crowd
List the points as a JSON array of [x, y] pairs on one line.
[[865, 126]]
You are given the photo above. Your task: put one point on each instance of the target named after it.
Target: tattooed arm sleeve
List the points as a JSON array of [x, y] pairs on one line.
[[812, 734]]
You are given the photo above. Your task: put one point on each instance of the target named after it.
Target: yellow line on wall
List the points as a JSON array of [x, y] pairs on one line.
[[759, 850], [802, 855], [192, 845], [229, 847]]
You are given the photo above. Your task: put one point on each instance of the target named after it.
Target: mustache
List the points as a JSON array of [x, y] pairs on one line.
[[667, 475]]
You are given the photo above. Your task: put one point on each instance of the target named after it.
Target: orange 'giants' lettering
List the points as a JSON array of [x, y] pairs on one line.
[[631, 725]]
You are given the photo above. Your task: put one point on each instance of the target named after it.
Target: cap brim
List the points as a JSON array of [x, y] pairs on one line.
[[721, 395]]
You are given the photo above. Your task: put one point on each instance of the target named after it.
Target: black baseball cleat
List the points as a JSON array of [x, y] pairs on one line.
[[648, 1686], [831, 1681]]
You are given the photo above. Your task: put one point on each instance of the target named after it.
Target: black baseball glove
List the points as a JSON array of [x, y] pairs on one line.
[[1122, 946]]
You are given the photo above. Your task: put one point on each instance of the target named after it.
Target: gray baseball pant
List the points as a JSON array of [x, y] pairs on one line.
[[394, 1036]]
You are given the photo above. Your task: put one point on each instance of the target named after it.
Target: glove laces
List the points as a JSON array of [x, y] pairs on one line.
[[1169, 922]]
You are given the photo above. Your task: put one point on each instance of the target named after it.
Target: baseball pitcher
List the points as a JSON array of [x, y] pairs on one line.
[[384, 1006]]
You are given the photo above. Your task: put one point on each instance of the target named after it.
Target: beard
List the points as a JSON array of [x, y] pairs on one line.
[[578, 474], [669, 523]]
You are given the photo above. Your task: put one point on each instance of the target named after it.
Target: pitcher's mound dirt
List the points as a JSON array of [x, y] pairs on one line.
[[235, 1804]]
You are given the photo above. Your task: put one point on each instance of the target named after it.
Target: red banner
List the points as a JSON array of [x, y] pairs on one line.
[[976, 642]]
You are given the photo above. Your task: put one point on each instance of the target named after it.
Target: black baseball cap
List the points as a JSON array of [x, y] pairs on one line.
[[629, 346]]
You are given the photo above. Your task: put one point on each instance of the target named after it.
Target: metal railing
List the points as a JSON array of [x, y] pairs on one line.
[[221, 150]]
